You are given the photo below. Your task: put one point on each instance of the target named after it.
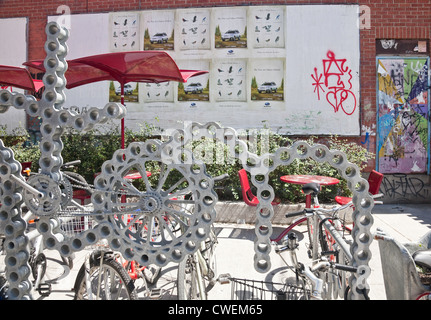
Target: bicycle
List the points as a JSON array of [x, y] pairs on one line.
[[328, 248], [106, 275], [102, 277], [197, 273], [37, 259], [312, 278]]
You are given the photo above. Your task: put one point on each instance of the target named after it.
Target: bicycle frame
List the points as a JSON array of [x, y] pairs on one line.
[[319, 218], [319, 273]]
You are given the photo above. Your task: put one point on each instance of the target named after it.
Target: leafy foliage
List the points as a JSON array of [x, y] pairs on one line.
[[95, 146]]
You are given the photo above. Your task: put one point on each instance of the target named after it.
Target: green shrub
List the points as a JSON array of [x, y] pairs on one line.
[[18, 141], [94, 147], [287, 193]]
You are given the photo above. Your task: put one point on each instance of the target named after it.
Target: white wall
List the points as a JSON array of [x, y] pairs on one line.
[[325, 37], [13, 52]]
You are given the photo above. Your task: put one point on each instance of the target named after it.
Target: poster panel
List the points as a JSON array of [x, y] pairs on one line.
[[403, 110], [13, 52], [292, 68]]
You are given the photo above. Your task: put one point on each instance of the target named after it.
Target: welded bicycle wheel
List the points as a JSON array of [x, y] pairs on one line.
[[156, 218]]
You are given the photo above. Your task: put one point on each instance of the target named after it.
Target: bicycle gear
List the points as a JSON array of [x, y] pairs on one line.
[[50, 203], [142, 217]]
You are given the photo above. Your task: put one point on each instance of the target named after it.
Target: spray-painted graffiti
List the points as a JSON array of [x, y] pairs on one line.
[[401, 187], [337, 79], [403, 115], [367, 132]]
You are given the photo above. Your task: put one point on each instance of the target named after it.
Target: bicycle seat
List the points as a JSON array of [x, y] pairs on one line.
[[311, 188], [423, 258]]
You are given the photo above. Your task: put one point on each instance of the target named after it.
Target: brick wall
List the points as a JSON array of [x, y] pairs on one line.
[[400, 19]]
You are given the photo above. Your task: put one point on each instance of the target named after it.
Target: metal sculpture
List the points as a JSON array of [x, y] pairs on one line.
[[127, 224]]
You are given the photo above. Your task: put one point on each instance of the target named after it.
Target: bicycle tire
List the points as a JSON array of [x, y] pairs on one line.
[[187, 285], [122, 288], [189, 278]]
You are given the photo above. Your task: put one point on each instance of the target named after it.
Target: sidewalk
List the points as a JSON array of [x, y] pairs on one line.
[[235, 252]]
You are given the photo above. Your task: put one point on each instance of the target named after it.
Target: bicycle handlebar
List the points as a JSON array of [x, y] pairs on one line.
[[343, 267], [221, 177], [71, 164], [295, 214], [327, 264]]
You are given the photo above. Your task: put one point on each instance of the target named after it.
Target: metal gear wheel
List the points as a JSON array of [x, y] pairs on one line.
[[159, 218], [51, 196]]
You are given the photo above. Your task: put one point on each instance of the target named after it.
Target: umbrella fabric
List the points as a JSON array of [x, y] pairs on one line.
[[18, 77], [123, 67], [139, 66], [136, 66], [77, 74]]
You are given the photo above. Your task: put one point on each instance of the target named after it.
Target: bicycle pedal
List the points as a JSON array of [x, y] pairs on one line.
[[44, 289], [155, 294], [224, 278]]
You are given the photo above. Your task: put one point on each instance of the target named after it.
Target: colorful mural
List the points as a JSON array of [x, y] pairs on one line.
[[403, 130]]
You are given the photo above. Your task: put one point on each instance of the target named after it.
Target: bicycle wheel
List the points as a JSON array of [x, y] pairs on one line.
[[188, 280], [424, 296], [108, 281]]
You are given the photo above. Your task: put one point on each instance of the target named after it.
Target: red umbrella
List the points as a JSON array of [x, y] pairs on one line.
[[139, 66], [19, 77], [124, 67], [77, 73]]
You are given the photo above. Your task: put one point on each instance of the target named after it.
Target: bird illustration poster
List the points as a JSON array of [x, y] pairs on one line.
[[231, 80], [267, 29], [194, 29], [158, 29], [159, 92], [124, 31]]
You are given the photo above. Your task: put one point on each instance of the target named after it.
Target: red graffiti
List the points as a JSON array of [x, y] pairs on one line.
[[337, 78]]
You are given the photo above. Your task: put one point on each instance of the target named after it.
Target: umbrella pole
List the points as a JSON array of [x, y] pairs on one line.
[[123, 197], [122, 120]]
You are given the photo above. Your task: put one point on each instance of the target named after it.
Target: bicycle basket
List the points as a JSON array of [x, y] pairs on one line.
[[246, 289]]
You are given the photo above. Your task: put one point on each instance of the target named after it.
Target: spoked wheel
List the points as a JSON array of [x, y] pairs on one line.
[[188, 277], [106, 280], [160, 208], [197, 273]]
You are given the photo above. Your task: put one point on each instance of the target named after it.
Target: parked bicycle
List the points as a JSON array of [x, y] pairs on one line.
[[197, 274], [102, 277], [326, 276], [106, 275], [32, 205]]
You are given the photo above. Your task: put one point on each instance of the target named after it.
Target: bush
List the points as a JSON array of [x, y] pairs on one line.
[[18, 141], [287, 193], [94, 147]]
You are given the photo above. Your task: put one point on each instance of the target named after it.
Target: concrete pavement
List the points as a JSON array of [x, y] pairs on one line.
[[235, 251]]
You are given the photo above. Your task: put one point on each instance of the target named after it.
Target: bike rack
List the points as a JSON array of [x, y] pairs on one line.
[[55, 119]]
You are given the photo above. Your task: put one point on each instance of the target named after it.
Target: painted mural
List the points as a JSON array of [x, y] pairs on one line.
[[403, 133]]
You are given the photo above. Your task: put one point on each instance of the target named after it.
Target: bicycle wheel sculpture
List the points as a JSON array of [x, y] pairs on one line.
[[137, 220], [165, 218]]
